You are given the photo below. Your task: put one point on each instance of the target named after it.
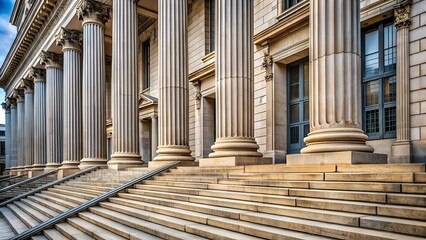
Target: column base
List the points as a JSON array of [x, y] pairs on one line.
[[35, 172], [64, 172], [51, 166], [13, 171], [277, 156], [174, 153], [157, 164], [346, 157], [235, 147], [234, 161], [121, 161], [91, 162], [401, 152]]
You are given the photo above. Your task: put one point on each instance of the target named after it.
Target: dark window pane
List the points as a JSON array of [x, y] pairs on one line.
[[2, 149], [306, 130], [306, 111], [146, 55], [389, 89], [294, 82], [372, 121], [2, 133], [390, 119], [371, 53], [212, 25], [306, 79], [294, 113], [294, 135], [389, 45], [371, 93]]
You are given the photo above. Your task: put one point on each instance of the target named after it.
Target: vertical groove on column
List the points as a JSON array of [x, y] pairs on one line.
[[40, 154], [173, 82], [29, 129], [8, 138], [21, 138], [14, 136]]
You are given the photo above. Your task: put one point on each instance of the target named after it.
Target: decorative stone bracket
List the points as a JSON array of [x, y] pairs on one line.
[[267, 63]]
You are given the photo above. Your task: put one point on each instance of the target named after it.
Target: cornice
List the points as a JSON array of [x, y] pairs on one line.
[[202, 73]]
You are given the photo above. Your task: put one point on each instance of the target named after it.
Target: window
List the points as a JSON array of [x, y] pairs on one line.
[[2, 149], [290, 3], [146, 71], [298, 105], [2, 133], [212, 19], [379, 81]]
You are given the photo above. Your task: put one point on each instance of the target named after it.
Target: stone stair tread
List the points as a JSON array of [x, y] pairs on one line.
[[407, 199], [17, 225], [284, 168], [72, 193], [80, 190], [41, 237], [92, 229], [137, 225], [57, 201], [218, 233], [409, 212], [188, 179], [54, 234], [71, 232], [338, 205], [321, 228], [266, 183], [88, 186], [356, 186], [23, 216], [49, 213], [370, 177], [340, 195], [278, 176], [176, 184], [34, 213], [51, 205], [387, 168], [416, 188], [405, 226], [249, 189], [95, 184]]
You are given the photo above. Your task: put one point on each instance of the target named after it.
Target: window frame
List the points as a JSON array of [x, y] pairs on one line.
[[381, 76], [287, 4], [146, 64], [212, 25]]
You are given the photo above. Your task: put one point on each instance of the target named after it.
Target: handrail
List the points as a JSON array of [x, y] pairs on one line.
[[63, 216], [46, 186], [12, 177], [28, 180]]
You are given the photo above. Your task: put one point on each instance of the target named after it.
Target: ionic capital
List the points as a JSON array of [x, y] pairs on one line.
[[37, 74], [51, 59], [92, 11], [402, 13], [69, 39], [27, 86]]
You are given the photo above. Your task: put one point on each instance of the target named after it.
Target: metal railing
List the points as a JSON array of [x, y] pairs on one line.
[[28, 180], [63, 216], [12, 177], [46, 186]]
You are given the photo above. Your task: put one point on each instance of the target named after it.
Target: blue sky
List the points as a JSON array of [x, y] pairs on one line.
[[7, 35]]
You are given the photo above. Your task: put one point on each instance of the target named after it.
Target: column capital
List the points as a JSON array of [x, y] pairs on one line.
[[51, 59], [92, 11], [18, 93], [11, 102], [5, 106], [38, 74], [69, 39], [27, 86], [402, 11]]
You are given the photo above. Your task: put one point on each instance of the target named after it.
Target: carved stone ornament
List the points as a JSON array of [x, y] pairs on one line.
[[402, 13], [36, 73], [19, 95], [51, 59], [90, 10], [27, 85], [198, 96], [69, 38], [5, 106], [267, 65], [11, 102]]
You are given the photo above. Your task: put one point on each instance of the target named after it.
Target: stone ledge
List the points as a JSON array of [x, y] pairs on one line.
[[347, 157], [233, 161]]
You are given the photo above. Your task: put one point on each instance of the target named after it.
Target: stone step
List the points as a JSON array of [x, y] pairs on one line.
[[278, 176], [6, 231], [57, 201], [72, 193], [176, 184], [53, 234], [40, 208], [397, 225], [93, 184], [382, 168], [17, 225], [127, 221], [407, 199], [340, 195], [88, 186], [80, 190], [284, 168], [187, 179], [414, 188], [250, 189], [266, 183], [71, 232], [416, 213], [320, 228], [196, 174], [23, 216], [39, 237], [420, 177], [75, 200], [356, 186], [338, 205], [51, 205], [33, 213], [92, 230], [370, 177], [210, 169]]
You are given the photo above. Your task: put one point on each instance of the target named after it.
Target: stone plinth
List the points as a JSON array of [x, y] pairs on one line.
[[233, 161], [346, 157], [64, 172]]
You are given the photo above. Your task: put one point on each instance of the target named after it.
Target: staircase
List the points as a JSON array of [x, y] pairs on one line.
[[25, 187], [259, 202], [32, 210], [4, 182]]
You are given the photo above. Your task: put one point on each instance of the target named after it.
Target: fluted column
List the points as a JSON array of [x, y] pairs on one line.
[[402, 148], [13, 133], [125, 103], [6, 107], [40, 155], [54, 106], [234, 80], [335, 79], [154, 136], [94, 16], [28, 123], [20, 142], [70, 40], [173, 82]]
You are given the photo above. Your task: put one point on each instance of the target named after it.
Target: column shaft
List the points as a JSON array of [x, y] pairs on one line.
[[13, 135], [335, 80], [173, 82], [20, 143], [125, 103], [29, 125], [40, 155], [154, 136], [7, 135], [234, 80]]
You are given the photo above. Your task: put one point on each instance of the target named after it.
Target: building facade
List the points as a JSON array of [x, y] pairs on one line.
[[120, 83]]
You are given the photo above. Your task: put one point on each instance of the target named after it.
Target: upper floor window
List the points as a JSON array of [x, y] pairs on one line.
[[2, 133], [2, 149], [146, 71], [379, 81], [212, 24], [290, 3]]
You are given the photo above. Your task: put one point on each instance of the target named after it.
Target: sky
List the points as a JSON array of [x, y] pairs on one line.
[[7, 35]]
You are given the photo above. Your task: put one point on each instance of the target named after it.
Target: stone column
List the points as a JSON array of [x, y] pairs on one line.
[[235, 141], [20, 142], [335, 86], [28, 123], [402, 148], [154, 136], [94, 16], [54, 106], [40, 155], [125, 105], [13, 134], [70, 40], [173, 109], [6, 107]]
